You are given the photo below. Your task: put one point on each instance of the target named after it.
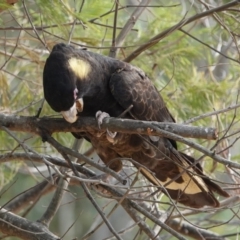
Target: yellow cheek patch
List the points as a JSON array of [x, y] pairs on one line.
[[80, 67]]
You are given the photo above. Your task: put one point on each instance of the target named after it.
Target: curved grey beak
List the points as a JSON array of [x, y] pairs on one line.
[[71, 115]]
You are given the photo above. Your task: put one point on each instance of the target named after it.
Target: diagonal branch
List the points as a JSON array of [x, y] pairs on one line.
[[13, 225], [176, 27]]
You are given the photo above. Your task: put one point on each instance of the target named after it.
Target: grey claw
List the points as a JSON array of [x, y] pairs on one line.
[[100, 116], [111, 134]]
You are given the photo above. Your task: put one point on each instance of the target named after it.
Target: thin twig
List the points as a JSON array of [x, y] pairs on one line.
[[209, 114], [119, 41], [207, 45], [113, 49], [33, 27], [110, 227]]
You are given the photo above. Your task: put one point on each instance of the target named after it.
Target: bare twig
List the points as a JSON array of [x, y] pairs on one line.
[[207, 45], [33, 27], [109, 225], [118, 42], [209, 114], [113, 49]]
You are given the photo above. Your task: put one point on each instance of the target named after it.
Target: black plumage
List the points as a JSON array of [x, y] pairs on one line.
[[80, 83]]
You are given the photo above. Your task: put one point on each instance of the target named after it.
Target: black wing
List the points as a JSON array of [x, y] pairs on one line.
[[131, 86], [174, 171]]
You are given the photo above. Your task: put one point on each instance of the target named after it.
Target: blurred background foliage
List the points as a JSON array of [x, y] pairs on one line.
[[192, 78]]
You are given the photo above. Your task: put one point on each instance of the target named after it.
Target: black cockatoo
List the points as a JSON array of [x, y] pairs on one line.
[[79, 83]]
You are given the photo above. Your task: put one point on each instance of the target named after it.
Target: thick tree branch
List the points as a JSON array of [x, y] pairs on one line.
[[191, 231], [35, 125], [39, 125], [13, 225]]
